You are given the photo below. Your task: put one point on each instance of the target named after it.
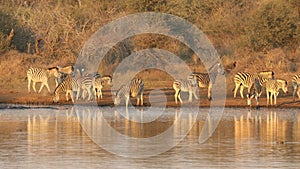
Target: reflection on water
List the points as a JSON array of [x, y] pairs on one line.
[[68, 138]]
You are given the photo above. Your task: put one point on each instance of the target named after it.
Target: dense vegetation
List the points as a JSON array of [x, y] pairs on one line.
[[55, 29]]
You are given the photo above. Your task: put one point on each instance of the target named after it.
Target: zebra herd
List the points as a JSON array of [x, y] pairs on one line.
[[265, 79], [68, 81]]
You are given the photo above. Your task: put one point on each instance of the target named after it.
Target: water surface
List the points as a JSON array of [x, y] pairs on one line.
[[61, 137]]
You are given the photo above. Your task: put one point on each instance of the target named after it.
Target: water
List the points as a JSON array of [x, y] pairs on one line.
[[66, 137]]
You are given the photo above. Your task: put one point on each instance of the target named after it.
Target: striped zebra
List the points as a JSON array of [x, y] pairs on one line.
[[273, 87], [190, 85], [37, 75], [255, 92], [208, 79], [68, 86], [245, 80], [98, 84], [296, 85], [134, 89], [85, 84]]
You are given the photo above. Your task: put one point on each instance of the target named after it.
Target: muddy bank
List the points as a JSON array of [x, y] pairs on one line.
[[161, 99]]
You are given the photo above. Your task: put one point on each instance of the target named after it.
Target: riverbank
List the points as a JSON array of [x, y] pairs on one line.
[[165, 99]]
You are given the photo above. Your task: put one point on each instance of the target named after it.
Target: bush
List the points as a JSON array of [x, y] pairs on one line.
[[274, 24]]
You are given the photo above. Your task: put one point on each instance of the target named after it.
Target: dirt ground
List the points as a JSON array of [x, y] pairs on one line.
[[45, 98]]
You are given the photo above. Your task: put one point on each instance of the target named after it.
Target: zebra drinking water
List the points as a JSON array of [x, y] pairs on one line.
[[255, 91], [68, 86], [245, 80], [36, 74], [134, 89]]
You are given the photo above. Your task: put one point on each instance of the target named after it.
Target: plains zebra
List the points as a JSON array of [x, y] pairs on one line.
[[208, 79], [273, 87], [255, 91], [189, 85], [36, 74], [98, 84], [244, 80], [68, 86], [296, 85], [86, 85], [134, 89]]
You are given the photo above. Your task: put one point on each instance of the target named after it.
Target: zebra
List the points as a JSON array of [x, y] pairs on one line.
[[36, 74], [255, 91], [296, 85], [85, 84], [134, 89], [68, 86], [244, 80], [98, 84], [208, 79], [190, 85], [273, 87]]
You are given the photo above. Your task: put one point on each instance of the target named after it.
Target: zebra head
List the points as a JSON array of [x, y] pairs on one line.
[[284, 86], [54, 72]]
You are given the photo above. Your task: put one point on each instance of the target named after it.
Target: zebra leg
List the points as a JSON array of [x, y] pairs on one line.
[[33, 86], [100, 93], [137, 101], [89, 93], [46, 84], [77, 94], [67, 95], [72, 96], [42, 85], [209, 91], [275, 97], [241, 91], [179, 97], [195, 94], [176, 96], [298, 92], [29, 81], [126, 101], [267, 92], [294, 92], [271, 98], [142, 99], [235, 90], [190, 96]]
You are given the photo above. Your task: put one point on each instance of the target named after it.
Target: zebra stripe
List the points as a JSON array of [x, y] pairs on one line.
[[296, 85], [68, 86], [98, 84], [134, 89], [245, 80], [255, 91], [208, 79], [36, 74], [273, 87], [189, 86], [85, 84]]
